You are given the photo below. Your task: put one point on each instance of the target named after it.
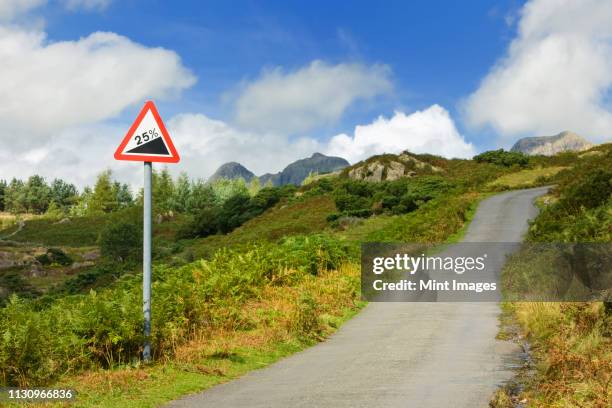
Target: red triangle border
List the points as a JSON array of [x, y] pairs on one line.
[[174, 158]]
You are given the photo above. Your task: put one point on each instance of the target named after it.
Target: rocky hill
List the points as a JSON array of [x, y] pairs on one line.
[[294, 173], [390, 167], [551, 145], [232, 170]]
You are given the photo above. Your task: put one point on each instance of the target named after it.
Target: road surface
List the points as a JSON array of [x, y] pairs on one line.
[[425, 355]]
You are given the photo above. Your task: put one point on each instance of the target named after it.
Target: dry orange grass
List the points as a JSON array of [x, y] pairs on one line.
[[573, 344], [215, 352]]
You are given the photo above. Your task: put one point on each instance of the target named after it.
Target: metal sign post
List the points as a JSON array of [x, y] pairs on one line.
[[146, 260], [147, 141]]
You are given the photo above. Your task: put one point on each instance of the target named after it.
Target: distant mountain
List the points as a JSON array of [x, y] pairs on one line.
[[232, 170], [294, 173], [551, 145]]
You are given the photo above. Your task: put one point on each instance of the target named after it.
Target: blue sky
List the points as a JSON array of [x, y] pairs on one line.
[[268, 82], [438, 51]]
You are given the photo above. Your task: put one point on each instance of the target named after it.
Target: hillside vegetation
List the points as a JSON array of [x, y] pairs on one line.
[[243, 276], [572, 342]]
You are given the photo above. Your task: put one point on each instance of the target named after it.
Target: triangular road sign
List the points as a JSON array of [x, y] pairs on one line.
[[147, 140]]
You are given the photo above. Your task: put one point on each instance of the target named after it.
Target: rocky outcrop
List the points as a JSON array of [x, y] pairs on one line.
[[390, 167], [551, 145]]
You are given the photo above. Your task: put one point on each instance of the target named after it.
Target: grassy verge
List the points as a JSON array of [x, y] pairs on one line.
[[572, 347], [571, 342], [283, 320], [525, 178], [469, 215]]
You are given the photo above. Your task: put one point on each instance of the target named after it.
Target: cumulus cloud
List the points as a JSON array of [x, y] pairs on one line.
[[315, 95], [48, 86], [205, 144], [58, 97], [76, 155], [9, 9], [556, 75], [198, 136], [428, 131]]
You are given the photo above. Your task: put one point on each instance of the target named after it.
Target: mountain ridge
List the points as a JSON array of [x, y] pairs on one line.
[[294, 173], [551, 145]]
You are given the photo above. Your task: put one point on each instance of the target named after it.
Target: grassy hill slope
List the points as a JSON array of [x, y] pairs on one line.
[[228, 303]]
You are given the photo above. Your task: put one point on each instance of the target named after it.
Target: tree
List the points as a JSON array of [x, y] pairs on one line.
[[202, 196], [63, 194], [234, 212], [104, 198], [203, 224], [123, 195], [81, 206], [163, 190], [37, 194], [3, 187], [227, 188], [254, 186], [182, 192]]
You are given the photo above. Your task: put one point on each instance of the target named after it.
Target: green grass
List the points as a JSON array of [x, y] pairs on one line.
[[525, 178], [152, 386], [81, 231], [160, 383], [223, 355], [302, 217], [469, 215]]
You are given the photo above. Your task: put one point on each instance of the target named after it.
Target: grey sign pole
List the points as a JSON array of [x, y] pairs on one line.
[[146, 261]]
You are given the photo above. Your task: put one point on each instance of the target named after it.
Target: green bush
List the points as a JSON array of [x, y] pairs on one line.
[[54, 256], [121, 241], [203, 224], [503, 158], [234, 212], [582, 212]]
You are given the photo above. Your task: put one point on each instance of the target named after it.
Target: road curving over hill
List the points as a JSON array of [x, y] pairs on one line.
[[425, 355]]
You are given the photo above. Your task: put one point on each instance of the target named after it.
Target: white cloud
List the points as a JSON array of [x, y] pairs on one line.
[[76, 155], [318, 94], [86, 4], [49, 86], [9, 9], [204, 144], [428, 131], [198, 137], [557, 74], [58, 97]]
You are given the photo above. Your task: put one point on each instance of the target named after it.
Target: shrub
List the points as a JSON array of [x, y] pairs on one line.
[[503, 158], [55, 256], [305, 320], [205, 223], [590, 191], [121, 241], [105, 328]]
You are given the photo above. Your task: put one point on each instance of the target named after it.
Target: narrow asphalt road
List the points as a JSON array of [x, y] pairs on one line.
[[425, 355]]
